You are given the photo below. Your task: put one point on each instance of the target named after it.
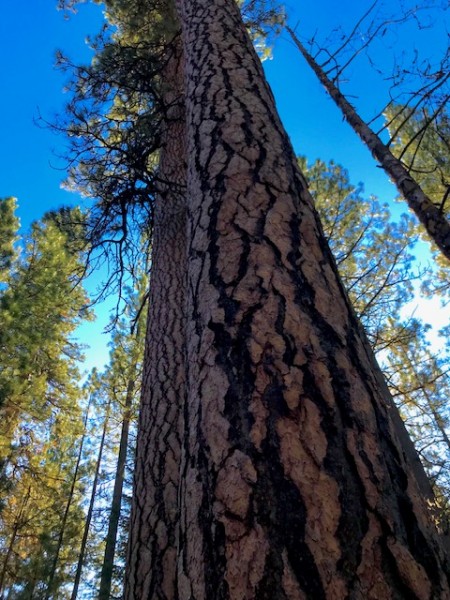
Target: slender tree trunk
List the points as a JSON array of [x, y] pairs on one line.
[[87, 523], [51, 578], [295, 484], [116, 504], [8, 556], [152, 550], [431, 217], [17, 525], [30, 588]]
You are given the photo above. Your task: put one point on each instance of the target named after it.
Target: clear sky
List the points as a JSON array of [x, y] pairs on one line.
[[30, 86]]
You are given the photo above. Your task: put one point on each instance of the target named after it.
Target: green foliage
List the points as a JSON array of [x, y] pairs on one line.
[[9, 225], [32, 517], [40, 425], [421, 139], [38, 312]]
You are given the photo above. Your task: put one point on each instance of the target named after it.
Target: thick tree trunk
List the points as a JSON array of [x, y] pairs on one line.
[[294, 484], [116, 504], [431, 217], [152, 551]]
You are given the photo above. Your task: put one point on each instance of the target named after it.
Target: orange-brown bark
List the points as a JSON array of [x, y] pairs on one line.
[[295, 484], [152, 550]]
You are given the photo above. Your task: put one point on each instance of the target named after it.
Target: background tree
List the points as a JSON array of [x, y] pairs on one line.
[[123, 382], [432, 218], [419, 381], [41, 419], [8, 231], [90, 546], [420, 139], [39, 311]]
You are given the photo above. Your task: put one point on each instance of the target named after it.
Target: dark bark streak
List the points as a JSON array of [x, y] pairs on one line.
[[237, 146], [213, 536], [281, 510]]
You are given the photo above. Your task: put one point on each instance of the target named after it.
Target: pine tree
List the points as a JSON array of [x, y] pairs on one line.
[[419, 381], [220, 501], [35, 531], [295, 482], [39, 311], [8, 231], [40, 413], [433, 220], [122, 381], [100, 427]]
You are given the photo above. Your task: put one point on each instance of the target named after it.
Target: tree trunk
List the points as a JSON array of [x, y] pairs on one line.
[[294, 484], [152, 549], [51, 578], [116, 504], [431, 217], [87, 523], [17, 525]]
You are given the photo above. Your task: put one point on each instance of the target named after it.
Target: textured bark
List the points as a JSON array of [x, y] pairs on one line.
[[431, 217], [152, 551], [294, 481]]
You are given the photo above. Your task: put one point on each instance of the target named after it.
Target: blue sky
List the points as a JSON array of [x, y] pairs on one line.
[[31, 86], [30, 35]]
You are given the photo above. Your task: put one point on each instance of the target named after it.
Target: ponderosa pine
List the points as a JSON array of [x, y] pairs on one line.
[[295, 481], [153, 544]]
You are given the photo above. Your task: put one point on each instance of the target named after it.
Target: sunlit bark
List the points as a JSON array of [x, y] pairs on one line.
[[295, 483]]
